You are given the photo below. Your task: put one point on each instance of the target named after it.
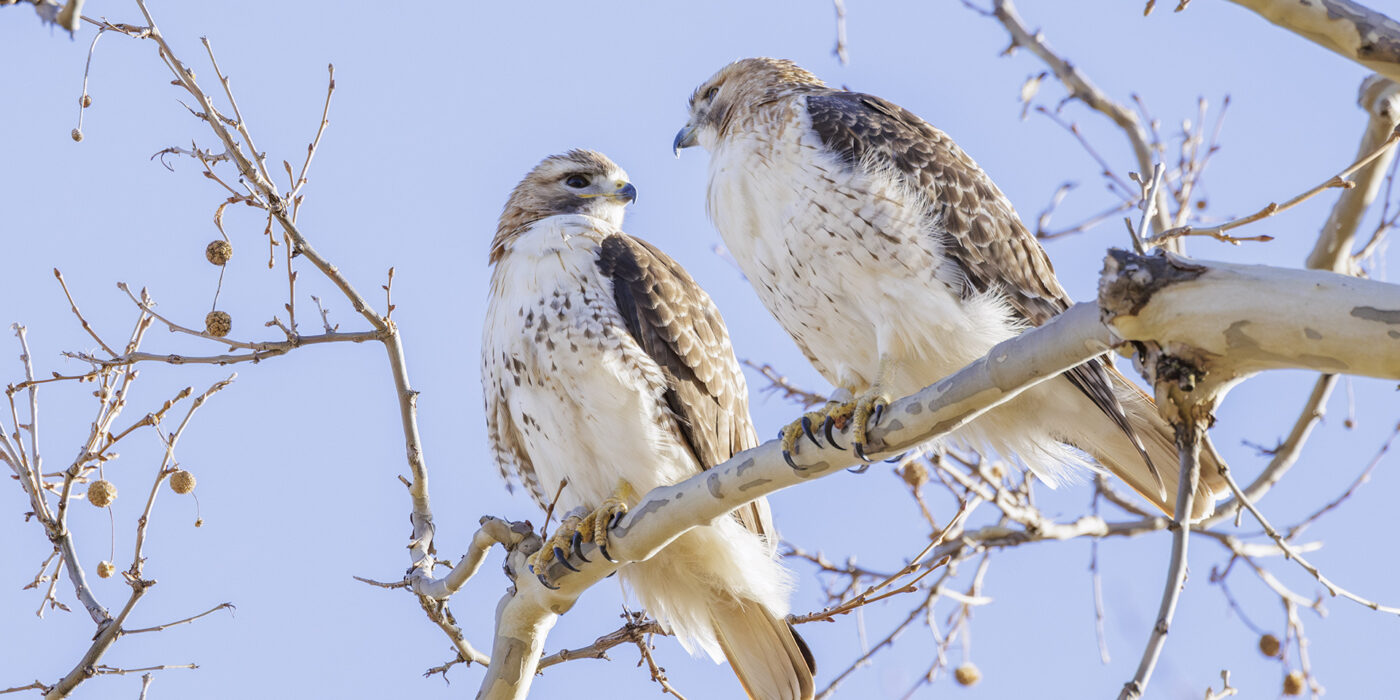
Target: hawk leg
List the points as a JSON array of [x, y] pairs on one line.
[[575, 530], [864, 410]]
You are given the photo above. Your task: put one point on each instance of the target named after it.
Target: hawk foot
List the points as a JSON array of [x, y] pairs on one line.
[[794, 431], [867, 410], [595, 525], [565, 538], [860, 414]]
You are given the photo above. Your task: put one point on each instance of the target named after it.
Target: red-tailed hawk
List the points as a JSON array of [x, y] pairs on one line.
[[607, 369], [893, 261]]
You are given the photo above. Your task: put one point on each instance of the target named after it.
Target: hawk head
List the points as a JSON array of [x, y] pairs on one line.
[[736, 90], [578, 182]]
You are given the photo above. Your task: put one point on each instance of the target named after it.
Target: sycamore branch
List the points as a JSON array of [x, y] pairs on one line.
[[1348, 28], [1228, 321], [1380, 98], [1231, 319]]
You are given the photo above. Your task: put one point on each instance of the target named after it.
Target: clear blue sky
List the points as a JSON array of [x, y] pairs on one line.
[[440, 108]]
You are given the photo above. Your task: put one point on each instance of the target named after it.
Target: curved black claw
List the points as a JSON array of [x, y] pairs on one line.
[[545, 582], [576, 543], [879, 411], [807, 430], [897, 458], [604, 550], [859, 449], [826, 430], [787, 457], [616, 519], [559, 554]]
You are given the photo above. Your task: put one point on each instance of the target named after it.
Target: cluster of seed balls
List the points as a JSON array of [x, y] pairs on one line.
[[102, 492], [218, 323]]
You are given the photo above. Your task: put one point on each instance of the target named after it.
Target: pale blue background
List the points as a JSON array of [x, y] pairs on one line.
[[440, 108]]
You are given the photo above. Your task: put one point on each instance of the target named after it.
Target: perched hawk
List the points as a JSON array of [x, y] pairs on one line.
[[608, 370], [893, 261]]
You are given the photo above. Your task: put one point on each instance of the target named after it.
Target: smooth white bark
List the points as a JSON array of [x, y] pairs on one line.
[[1348, 28]]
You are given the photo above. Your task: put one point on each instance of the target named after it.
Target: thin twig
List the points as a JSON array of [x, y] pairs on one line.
[[187, 620], [1337, 181]]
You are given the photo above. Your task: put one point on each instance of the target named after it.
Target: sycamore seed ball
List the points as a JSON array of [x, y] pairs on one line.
[[218, 323], [1293, 683], [87, 101], [101, 493], [1269, 645], [219, 251], [77, 135], [914, 473], [967, 674], [105, 569], [997, 471], [182, 482]]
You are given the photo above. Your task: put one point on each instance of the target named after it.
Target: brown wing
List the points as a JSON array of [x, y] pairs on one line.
[[677, 325], [984, 239]]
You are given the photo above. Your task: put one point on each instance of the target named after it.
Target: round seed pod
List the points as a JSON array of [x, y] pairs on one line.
[[182, 482], [105, 569], [87, 101], [101, 493], [967, 675], [997, 471], [914, 473], [77, 134], [218, 323], [1293, 683], [218, 251], [1269, 645]]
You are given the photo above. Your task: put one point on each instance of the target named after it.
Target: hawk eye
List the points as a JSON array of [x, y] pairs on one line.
[[576, 181], [710, 94]]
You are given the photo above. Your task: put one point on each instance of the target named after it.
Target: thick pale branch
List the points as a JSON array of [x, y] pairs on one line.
[[1231, 320], [525, 615], [1380, 98], [1348, 28]]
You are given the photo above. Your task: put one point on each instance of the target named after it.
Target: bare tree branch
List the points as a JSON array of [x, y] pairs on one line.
[[1345, 27], [1380, 98]]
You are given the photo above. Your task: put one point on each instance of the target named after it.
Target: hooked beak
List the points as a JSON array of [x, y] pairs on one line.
[[626, 192], [685, 138]]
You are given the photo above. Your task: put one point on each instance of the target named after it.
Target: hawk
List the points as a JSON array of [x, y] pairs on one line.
[[893, 260], [608, 372]]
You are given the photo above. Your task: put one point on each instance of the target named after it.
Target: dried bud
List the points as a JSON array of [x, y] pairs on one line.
[[914, 473], [1269, 645], [77, 134], [87, 101], [219, 251], [997, 471], [199, 522], [182, 482], [967, 675], [101, 493], [218, 323], [105, 569], [1293, 683]]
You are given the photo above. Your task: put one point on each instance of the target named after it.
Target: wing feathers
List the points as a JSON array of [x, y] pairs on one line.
[[676, 323], [986, 241]]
